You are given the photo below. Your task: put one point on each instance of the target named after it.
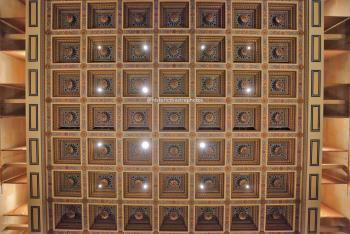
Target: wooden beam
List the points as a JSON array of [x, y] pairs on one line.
[[334, 37]]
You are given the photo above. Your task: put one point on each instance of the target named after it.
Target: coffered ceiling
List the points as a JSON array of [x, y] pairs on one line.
[[165, 116]]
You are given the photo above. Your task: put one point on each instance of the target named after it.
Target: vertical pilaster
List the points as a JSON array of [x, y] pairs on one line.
[[34, 76], [314, 112]]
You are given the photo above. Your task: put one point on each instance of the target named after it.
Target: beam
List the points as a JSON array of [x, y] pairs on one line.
[[334, 37]]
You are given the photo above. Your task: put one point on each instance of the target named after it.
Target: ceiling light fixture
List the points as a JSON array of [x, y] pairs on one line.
[[145, 145]]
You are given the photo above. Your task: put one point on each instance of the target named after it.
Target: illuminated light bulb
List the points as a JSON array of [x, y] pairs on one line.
[[249, 90], [201, 186], [99, 144], [202, 145], [99, 47], [145, 145], [145, 186], [100, 186], [145, 90], [145, 47], [99, 89], [249, 47], [247, 186], [203, 47]]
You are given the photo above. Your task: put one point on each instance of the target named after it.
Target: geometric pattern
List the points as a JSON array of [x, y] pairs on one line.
[[281, 118], [173, 218], [66, 83], [212, 154], [173, 83], [103, 217], [245, 151], [246, 16], [282, 50], [174, 15], [245, 185], [101, 151], [282, 16], [102, 15], [111, 69], [246, 83], [210, 15], [281, 151], [210, 117], [101, 83], [282, 84], [210, 49], [209, 186], [279, 217], [280, 185], [210, 83], [67, 16], [173, 117], [209, 218], [173, 49], [244, 218], [173, 185]]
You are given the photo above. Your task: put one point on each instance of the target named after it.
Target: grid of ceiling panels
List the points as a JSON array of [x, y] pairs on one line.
[[167, 116]]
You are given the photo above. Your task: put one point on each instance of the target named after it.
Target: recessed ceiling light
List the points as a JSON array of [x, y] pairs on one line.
[[145, 90], [203, 47], [145, 47], [202, 145], [145, 145]]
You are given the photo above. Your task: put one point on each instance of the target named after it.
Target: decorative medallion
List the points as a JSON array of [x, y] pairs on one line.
[[102, 151], [246, 83], [101, 117], [137, 117], [173, 83], [66, 150], [137, 151], [245, 218], [137, 49], [101, 83], [102, 184], [279, 218], [66, 16], [210, 15], [209, 218], [66, 50], [282, 16], [68, 216], [137, 185], [174, 15], [173, 152], [137, 83], [66, 117], [66, 83], [281, 151], [246, 15], [101, 49], [245, 151], [174, 49], [138, 14], [138, 218], [246, 49], [102, 15], [281, 118], [209, 185], [282, 50], [103, 217], [210, 152], [173, 218], [210, 117], [246, 117], [67, 183], [210, 83], [280, 185], [210, 49], [173, 185], [173, 117], [282, 84], [245, 185]]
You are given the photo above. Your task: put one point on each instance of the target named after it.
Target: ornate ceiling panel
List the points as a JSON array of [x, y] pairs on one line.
[[166, 116]]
